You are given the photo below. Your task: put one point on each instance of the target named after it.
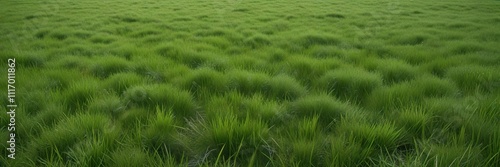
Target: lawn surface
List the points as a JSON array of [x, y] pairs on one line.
[[252, 82]]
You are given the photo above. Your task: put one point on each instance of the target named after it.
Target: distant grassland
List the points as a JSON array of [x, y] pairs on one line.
[[252, 82]]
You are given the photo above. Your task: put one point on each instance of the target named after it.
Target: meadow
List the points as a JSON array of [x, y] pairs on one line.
[[252, 82]]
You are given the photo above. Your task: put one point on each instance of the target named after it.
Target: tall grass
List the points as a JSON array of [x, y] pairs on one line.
[[352, 84], [328, 109], [107, 66], [411, 93], [167, 96], [252, 83], [473, 77], [79, 95], [226, 137], [393, 71]]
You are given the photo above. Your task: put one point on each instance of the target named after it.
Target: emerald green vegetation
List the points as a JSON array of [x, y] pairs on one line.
[[252, 83]]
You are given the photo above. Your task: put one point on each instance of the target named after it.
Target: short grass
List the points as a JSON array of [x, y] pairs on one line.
[[253, 83]]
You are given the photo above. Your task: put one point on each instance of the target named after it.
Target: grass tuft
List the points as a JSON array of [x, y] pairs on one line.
[[230, 137], [327, 108], [349, 83], [161, 135], [132, 156], [107, 66], [392, 70], [257, 41], [380, 136], [120, 82], [312, 39], [205, 80], [473, 77], [166, 96], [284, 87], [79, 94]]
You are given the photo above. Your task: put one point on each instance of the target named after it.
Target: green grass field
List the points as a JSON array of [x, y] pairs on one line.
[[252, 82]]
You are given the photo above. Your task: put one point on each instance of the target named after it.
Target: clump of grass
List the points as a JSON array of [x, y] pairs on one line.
[[213, 32], [72, 62], [229, 104], [59, 35], [349, 83], [167, 96], [456, 155], [34, 101], [389, 98], [381, 136], [465, 48], [133, 117], [392, 70], [161, 135], [335, 15], [448, 113], [131, 156], [153, 71], [325, 52], [218, 42], [102, 39], [230, 138], [184, 55], [275, 27], [205, 80], [79, 94], [410, 93], [175, 73], [50, 115], [257, 41], [224, 33], [311, 39], [347, 152], [60, 79], [415, 55], [145, 33], [473, 77], [431, 86], [136, 95], [276, 55], [120, 82], [80, 50], [440, 66], [220, 65], [127, 18], [305, 69], [30, 60], [108, 105], [260, 108], [168, 50], [307, 128], [42, 33], [305, 153], [256, 107], [109, 65], [250, 63], [82, 34], [247, 82], [416, 121], [327, 108], [494, 147], [284, 87], [127, 51], [54, 142], [410, 39], [90, 152]]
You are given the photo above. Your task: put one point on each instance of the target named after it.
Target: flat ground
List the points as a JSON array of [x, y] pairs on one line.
[[252, 82]]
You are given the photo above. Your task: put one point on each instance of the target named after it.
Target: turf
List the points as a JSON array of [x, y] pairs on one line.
[[253, 83]]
